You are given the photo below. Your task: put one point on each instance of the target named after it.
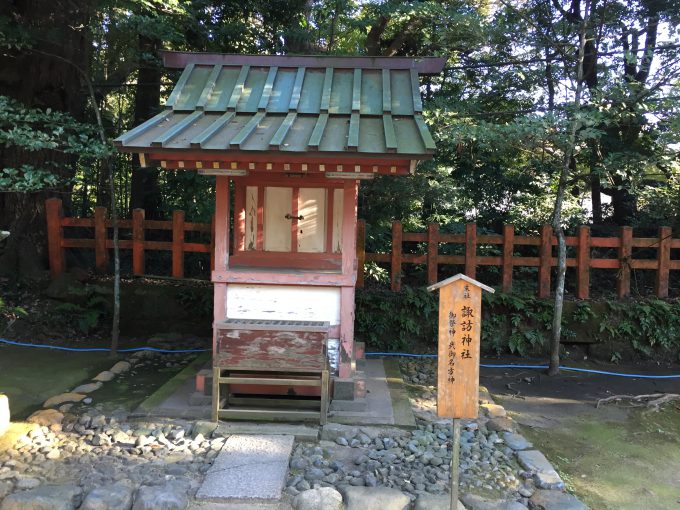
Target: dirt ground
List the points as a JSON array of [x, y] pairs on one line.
[[615, 457]]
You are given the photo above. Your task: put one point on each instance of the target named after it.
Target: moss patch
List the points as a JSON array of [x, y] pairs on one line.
[[622, 465]]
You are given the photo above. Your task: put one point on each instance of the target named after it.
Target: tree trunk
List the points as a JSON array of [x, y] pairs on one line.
[[554, 365], [144, 189], [40, 81]]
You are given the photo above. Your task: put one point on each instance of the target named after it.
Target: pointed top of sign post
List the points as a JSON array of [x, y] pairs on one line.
[[459, 276]]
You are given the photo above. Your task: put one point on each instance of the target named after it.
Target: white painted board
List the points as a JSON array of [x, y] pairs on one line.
[[283, 302]]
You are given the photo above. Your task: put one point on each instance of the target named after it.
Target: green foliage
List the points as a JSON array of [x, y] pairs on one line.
[[32, 130], [9, 314], [651, 324], [88, 316], [396, 321]]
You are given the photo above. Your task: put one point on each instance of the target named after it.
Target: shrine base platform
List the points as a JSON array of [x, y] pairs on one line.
[[386, 403]]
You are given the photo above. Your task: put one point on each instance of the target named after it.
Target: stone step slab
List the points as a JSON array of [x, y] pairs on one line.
[[248, 467]]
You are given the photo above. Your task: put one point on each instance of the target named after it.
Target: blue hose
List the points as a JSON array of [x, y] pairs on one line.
[[571, 369], [400, 354], [97, 349]]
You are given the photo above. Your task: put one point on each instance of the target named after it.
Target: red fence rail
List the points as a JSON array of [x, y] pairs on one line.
[[508, 241], [429, 241], [57, 242]]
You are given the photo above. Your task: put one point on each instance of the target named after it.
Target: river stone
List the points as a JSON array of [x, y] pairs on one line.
[[120, 367], [88, 388], [47, 497], [104, 376], [435, 502], [63, 398], [554, 500], [323, 498], [27, 482], [545, 475], [516, 441], [172, 496], [4, 414], [109, 497], [374, 498]]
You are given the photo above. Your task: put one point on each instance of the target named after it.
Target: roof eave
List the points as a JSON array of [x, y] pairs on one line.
[[424, 65]]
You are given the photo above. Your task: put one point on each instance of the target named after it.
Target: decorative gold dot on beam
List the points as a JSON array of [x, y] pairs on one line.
[[216, 165], [164, 164], [357, 168], [199, 165], [286, 166], [322, 168], [269, 166], [234, 165], [251, 166], [375, 169], [304, 167], [180, 164], [339, 167], [393, 169]]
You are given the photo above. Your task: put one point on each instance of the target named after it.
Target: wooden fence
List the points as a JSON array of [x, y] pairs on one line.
[[428, 242], [508, 242], [57, 242]]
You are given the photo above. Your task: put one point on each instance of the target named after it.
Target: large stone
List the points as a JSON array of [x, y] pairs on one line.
[[333, 431], [516, 441], [500, 424], [493, 410], [63, 398], [67, 287], [47, 497], [475, 502], [88, 388], [248, 467], [5, 488], [545, 475], [120, 367], [109, 497], [4, 414], [323, 498], [46, 417], [554, 500], [171, 496], [374, 498], [435, 502], [104, 376]]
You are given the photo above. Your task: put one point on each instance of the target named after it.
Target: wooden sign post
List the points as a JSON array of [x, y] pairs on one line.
[[460, 320]]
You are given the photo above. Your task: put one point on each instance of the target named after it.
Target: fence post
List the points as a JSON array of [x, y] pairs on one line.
[[101, 252], [432, 253], [625, 259], [55, 233], [583, 263], [138, 241], [508, 245], [212, 243], [545, 261], [396, 255], [663, 256], [471, 250], [178, 244], [361, 252]]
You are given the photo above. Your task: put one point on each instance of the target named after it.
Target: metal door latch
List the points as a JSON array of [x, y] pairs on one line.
[[290, 217]]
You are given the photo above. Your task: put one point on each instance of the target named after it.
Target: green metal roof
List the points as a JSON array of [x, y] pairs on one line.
[[246, 103]]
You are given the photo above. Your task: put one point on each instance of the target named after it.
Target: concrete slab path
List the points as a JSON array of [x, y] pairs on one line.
[[248, 468]]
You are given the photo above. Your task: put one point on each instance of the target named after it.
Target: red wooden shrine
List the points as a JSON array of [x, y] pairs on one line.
[[289, 138]]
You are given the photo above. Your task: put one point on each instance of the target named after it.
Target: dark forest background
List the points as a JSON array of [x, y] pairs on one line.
[[500, 112]]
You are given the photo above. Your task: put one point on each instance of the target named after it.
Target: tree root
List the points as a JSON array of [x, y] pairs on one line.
[[652, 401]]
